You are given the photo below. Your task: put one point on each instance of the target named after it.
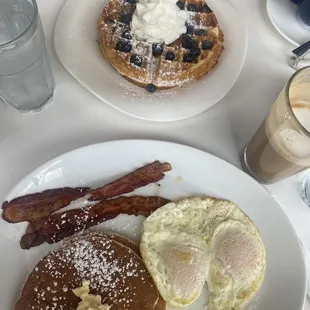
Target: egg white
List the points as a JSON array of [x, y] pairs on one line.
[[202, 239], [176, 261], [236, 266]]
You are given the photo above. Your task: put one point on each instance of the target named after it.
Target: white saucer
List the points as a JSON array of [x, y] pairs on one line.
[[282, 14], [77, 49]]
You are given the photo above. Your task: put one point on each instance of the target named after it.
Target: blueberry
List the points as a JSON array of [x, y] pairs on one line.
[[195, 52], [192, 7], [180, 4], [205, 9], [123, 46], [189, 29], [194, 44], [206, 45], [170, 56], [157, 49], [188, 58], [200, 32], [131, 1], [127, 35], [186, 41], [126, 19], [151, 88], [136, 60]]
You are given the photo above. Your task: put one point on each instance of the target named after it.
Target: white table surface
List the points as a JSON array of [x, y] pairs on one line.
[[77, 118]]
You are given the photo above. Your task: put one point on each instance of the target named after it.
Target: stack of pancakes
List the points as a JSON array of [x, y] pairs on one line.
[[112, 265]]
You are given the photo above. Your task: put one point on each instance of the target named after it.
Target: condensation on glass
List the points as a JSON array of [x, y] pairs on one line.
[[26, 79]]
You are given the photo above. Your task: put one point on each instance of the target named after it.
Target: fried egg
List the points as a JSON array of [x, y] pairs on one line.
[[176, 261], [202, 239]]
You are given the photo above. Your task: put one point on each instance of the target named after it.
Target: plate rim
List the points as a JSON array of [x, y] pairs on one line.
[[263, 191], [271, 18], [150, 117]]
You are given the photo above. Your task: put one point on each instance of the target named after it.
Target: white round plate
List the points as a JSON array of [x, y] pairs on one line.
[[76, 47], [194, 173], [282, 14]]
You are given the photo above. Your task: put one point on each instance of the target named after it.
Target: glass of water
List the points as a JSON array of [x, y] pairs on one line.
[[26, 79]]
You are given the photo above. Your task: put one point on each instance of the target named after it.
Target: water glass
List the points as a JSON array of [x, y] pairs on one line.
[[26, 80]]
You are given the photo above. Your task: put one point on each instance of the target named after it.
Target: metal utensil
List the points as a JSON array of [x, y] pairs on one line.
[[299, 55]]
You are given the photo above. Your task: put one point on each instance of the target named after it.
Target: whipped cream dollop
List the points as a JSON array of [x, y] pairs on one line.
[[158, 21]]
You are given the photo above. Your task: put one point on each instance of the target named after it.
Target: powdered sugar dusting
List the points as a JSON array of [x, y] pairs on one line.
[[98, 266], [114, 271], [138, 94]]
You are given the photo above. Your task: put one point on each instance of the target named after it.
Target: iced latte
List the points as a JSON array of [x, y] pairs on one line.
[[281, 146]]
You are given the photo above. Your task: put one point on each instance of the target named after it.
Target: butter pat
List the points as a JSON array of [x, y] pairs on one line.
[[89, 301]]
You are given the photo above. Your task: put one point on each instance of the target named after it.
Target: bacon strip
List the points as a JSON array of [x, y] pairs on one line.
[[35, 206], [38, 205], [58, 226], [151, 173]]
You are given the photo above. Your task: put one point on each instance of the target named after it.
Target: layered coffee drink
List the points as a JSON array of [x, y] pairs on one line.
[[281, 146]]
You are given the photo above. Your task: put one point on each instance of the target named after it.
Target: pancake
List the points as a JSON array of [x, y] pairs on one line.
[[109, 235], [114, 270]]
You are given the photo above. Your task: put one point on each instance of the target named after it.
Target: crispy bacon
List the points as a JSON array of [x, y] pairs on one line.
[[151, 173], [35, 206], [58, 226]]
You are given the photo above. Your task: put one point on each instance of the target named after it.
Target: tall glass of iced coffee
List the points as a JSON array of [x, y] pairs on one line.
[[281, 145]]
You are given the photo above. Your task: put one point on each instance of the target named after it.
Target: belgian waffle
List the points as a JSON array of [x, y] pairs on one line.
[[156, 65]]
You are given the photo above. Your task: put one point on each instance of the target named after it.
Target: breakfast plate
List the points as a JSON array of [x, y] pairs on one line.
[[193, 173], [75, 41]]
